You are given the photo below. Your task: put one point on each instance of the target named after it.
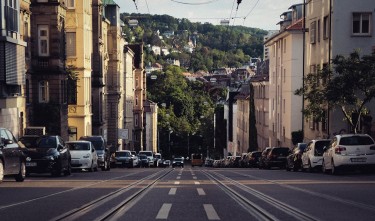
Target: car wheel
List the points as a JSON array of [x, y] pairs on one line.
[[56, 173], [310, 169], [334, 169], [104, 167], [91, 169], [20, 177], [108, 166], [1, 171], [287, 168], [324, 169], [68, 170]]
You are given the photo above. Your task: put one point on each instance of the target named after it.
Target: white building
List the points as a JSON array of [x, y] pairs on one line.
[[336, 27], [286, 74]]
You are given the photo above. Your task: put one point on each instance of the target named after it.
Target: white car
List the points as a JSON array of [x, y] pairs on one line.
[[349, 150], [83, 155], [312, 156]]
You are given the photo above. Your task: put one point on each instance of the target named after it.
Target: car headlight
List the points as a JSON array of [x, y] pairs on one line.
[[101, 156], [51, 157]]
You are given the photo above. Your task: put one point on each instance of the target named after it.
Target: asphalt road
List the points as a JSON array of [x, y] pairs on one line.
[[197, 193]]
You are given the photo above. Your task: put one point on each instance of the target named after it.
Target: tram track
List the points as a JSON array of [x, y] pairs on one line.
[[253, 208], [121, 207]]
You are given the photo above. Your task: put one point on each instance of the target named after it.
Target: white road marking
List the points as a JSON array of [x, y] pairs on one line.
[[210, 212], [179, 177], [201, 192], [164, 211], [172, 191], [176, 182], [196, 183]]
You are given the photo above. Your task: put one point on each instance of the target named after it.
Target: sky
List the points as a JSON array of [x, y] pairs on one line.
[[263, 14]]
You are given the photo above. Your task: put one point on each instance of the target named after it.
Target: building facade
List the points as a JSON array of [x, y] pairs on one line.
[[14, 36], [285, 76], [46, 84], [78, 35], [129, 98], [261, 101], [330, 34]]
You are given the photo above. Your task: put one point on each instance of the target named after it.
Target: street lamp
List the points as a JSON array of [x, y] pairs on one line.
[[169, 140]]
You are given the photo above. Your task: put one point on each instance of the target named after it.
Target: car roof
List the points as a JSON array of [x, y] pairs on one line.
[[78, 141]]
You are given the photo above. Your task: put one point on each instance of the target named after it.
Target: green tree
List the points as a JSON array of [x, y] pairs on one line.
[[349, 84]]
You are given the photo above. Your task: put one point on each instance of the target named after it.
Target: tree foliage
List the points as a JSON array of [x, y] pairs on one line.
[[349, 84], [216, 46]]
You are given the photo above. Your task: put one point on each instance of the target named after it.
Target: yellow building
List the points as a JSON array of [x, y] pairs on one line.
[[79, 51]]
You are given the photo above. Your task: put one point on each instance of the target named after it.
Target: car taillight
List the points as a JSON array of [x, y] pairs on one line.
[[339, 149], [372, 148]]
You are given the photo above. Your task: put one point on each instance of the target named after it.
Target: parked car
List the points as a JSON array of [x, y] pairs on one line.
[[149, 155], [276, 157], [252, 159], [263, 157], [49, 155], [104, 155], [83, 155], [294, 158], [12, 158], [349, 151], [178, 162], [313, 155], [166, 163], [124, 158], [143, 160]]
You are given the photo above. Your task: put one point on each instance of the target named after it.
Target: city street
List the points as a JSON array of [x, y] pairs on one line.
[[188, 193]]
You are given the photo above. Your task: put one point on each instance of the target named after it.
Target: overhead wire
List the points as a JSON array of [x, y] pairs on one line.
[[147, 6], [256, 3], [198, 3]]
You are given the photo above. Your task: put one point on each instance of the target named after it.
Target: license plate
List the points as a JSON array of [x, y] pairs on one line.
[[75, 162], [358, 159], [31, 164]]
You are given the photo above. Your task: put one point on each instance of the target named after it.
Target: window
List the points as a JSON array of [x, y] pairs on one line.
[[326, 27], [72, 91], [70, 3], [70, 44], [12, 15], [136, 120], [284, 45], [136, 100], [361, 24], [43, 40], [318, 31], [313, 32], [43, 92]]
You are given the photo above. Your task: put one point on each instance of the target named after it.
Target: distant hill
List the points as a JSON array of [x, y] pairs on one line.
[[215, 46]]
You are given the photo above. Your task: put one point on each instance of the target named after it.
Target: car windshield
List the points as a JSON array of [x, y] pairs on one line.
[[98, 145], [29, 142], [256, 154], [148, 153], [178, 159], [47, 142], [280, 151], [319, 145], [122, 154], [142, 157], [356, 140], [78, 146]]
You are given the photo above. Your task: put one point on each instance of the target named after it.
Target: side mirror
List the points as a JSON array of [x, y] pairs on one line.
[[60, 147], [325, 148]]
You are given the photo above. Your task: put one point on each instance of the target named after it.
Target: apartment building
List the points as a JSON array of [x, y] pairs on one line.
[[336, 27], [14, 37], [115, 75], [99, 70], [151, 126], [129, 98], [139, 96], [285, 76], [46, 84], [243, 120], [79, 50], [261, 103]]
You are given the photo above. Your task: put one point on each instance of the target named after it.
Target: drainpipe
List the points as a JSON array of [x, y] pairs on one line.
[[303, 66]]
